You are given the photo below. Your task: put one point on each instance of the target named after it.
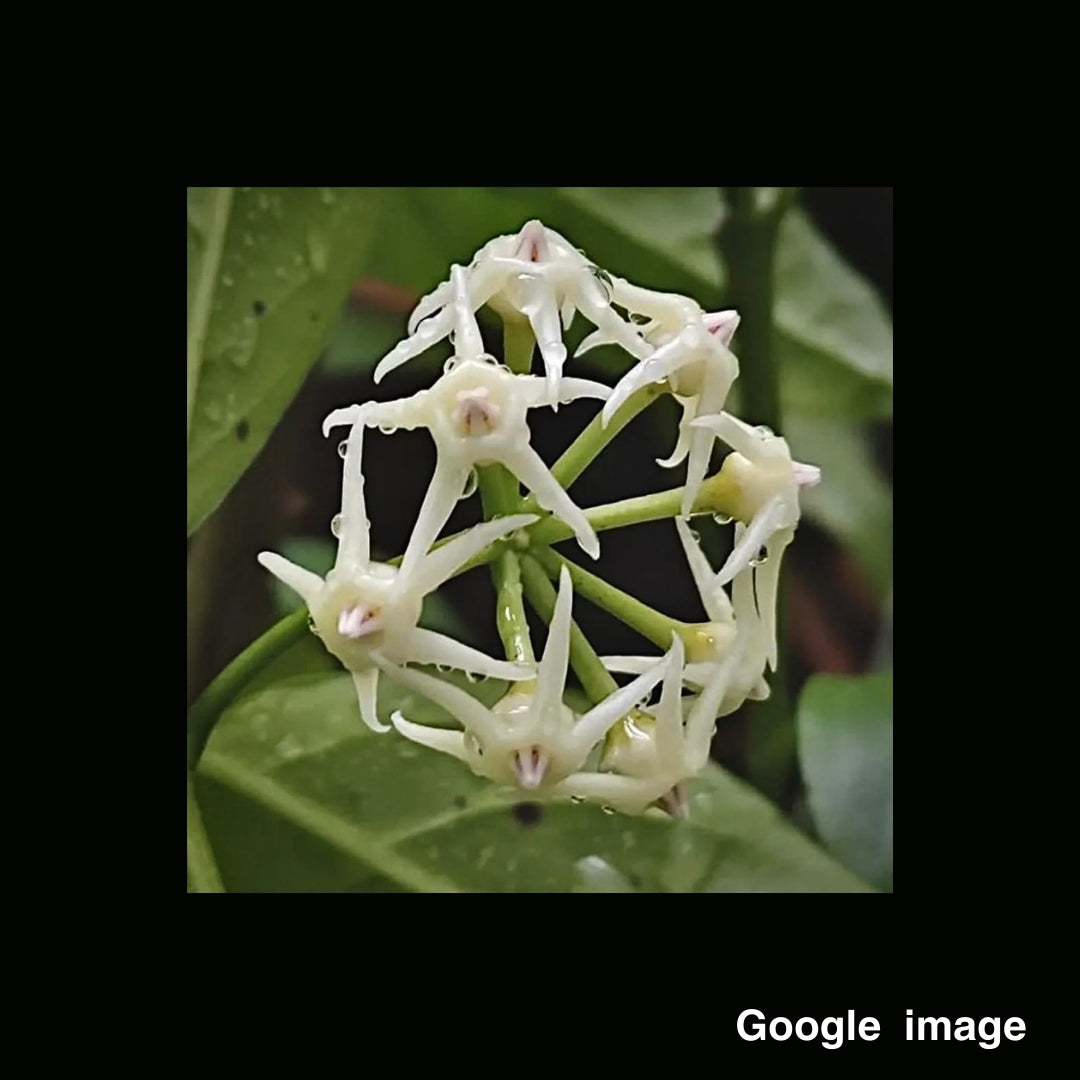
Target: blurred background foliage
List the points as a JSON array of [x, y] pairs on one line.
[[293, 297]]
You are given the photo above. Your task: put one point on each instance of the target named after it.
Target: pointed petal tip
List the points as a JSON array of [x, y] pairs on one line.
[[723, 324], [806, 475]]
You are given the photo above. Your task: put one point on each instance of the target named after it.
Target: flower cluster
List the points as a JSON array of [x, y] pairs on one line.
[[622, 751]]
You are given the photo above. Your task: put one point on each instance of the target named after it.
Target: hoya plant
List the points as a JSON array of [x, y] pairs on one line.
[[381, 737]]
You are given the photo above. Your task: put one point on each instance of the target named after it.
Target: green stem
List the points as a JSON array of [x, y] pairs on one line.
[[518, 344], [647, 621], [510, 609], [203, 876], [718, 495], [595, 678], [226, 686]]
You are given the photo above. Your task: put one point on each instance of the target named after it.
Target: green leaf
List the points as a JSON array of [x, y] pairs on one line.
[[833, 334], [298, 795], [845, 726], [853, 501], [268, 270]]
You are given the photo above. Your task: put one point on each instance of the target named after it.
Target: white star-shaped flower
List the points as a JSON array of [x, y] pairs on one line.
[[649, 755], [367, 612], [534, 274], [690, 350], [735, 626], [529, 739], [768, 483], [477, 415]]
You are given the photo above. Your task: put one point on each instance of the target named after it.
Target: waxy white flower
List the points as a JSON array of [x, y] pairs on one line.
[[768, 484], [529, 739], [534, 274], [735, 626], [651, 753], [689, 350], [367, 612], [477, 413]]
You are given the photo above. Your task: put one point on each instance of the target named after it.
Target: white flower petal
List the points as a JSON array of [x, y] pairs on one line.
[[447, 483], [594, 725], [719, 610], [428, 647], [367, 685], [301, 581], [628, 665], [441, 739], [702, 717], [438, 298], [697, 465], [467, 340], [682, 444], [439, 565], [670, 747], [767, 583], [427, 334], [462, 706], [723, 324], [628, 794], [551, 674], [764, 524], [630, 383], [354, 547], [528, 466]]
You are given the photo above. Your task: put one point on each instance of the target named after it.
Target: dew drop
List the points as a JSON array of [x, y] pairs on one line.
[[608, 809], [765, 432], [761, 557], [578, 799], [311, 626], [723, 519], [449, 365], [343, 448], [388, 429], [696, 535], [335, 525]]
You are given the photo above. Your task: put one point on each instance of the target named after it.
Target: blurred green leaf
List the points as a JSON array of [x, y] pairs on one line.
[[834, 336], [268, 270], [298, 795], [845, 726], [853, 501]]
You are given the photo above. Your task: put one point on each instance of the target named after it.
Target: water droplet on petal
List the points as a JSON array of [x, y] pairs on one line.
[[388, 429], [335, 525], [723, 519], [608, 809], [343, 448], [577, 799], [761, 557], [311, 625]]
